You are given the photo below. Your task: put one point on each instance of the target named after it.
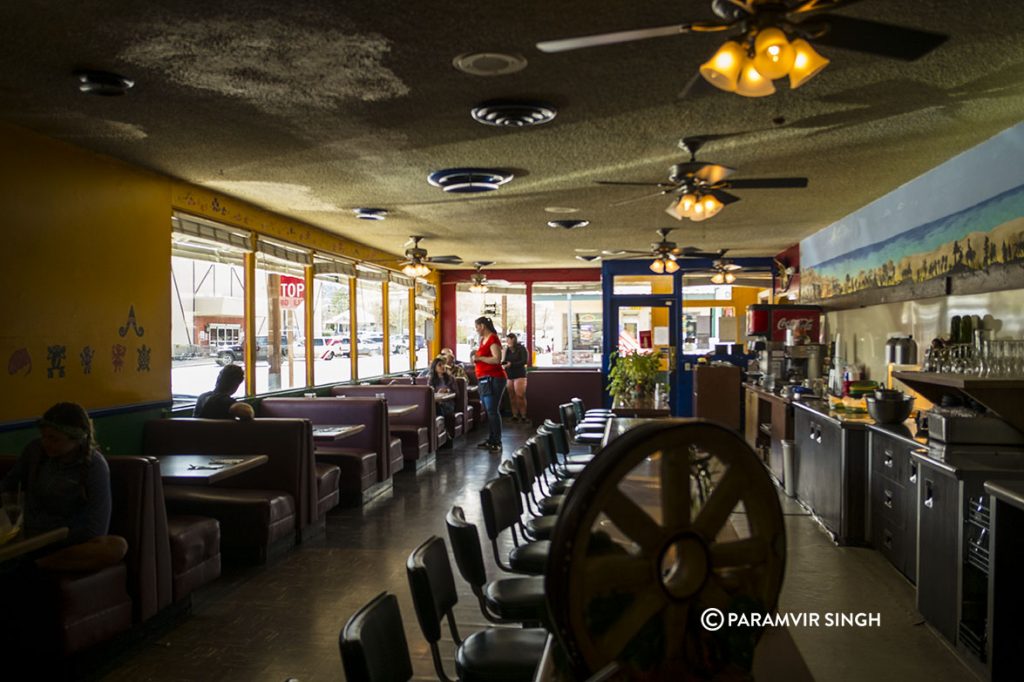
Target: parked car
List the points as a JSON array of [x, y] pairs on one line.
[[230, 353], [371, 344], [400, 344], [336, 346]]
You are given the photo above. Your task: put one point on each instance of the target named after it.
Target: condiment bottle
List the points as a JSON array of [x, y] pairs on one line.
[[954, 329]]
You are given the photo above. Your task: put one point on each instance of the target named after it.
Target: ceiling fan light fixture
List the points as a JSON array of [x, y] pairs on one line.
[[671, 266], [752, 83], [416, 270], [723, 69], [729, 278], [478, 288], [773, 54], [807, 63], [657, 266], [711, 205], [718, 278]]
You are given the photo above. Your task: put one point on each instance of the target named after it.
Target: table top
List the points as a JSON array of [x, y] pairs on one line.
[[444, 396], [336, 431], [400, 410], [23, 545], [208, 469]]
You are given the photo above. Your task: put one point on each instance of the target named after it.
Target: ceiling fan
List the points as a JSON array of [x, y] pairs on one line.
[[700, 185], [415, 263], [772, 41], [664, 253], [478, 281], [724, 271]]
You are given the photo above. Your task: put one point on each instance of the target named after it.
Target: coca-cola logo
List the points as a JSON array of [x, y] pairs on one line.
[[784, 322]]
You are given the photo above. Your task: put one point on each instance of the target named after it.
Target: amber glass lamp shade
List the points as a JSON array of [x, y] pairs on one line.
[[773, 54], [723, 69], [752, 83], [657, 266], [718, 278], [671, 265], [806, 64]]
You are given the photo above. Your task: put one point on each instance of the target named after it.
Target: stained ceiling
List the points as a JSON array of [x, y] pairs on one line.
[[314, 108]]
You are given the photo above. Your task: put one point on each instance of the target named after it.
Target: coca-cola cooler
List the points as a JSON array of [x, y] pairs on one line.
[[770, 322]]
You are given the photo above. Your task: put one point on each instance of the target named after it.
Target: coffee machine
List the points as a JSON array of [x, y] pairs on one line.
[[783, 336]]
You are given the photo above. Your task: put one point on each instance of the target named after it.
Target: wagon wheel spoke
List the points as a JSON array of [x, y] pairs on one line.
[[603, 574], [633, 521], [647, 604], [746, 552], [724, 498], [713, 595], [675, 491], [675, 619]]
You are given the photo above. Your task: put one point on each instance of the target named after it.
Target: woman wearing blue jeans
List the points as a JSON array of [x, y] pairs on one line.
[[491, 380]]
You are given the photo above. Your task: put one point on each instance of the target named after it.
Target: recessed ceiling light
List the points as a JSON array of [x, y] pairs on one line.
[[489, 63], [371, 213], [561, 209], [103, 83], [568, 224], [513, 113], [469, 180]]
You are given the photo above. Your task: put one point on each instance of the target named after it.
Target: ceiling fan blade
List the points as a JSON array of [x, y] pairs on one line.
[[566, 44], [448, 260], [646, 196], [694, 252], [713, 173], [766, 183], [874, 37], [725, 197], [820, 6], [695, 86], [635, 184]]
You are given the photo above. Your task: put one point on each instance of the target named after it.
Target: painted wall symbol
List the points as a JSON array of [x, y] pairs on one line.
[[131, 324], [144, 353], [117, 352], [85, 357], [56, 355], [20, 362]]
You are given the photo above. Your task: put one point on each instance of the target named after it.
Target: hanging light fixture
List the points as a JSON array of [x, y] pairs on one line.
[[723, 69], [671, 265], [416, 270], [766, 54], [657, 266], [752, 83], [729, 278], [806, 63], [718, 278], [711, 205], [773, 54], [478, 288]]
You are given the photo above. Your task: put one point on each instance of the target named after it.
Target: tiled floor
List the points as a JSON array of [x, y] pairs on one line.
[[282, 620]]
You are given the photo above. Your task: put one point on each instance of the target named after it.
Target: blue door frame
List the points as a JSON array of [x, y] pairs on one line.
[[681, 379]]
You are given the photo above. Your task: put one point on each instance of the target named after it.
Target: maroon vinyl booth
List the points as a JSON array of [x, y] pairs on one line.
[[463, 411], [365, 459], [93, 606], [473, 398], [417, 430], [255, 508]]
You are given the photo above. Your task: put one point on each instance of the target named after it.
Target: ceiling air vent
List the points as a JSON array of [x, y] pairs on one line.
[[102, 83], [468, 180], [489, 63], [370, 213], [513, 113], [568, 224]]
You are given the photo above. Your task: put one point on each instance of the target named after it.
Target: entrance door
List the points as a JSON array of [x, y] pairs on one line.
[[649, 325]]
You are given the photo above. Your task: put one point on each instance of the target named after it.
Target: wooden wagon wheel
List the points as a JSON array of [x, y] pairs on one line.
[[630, 573]]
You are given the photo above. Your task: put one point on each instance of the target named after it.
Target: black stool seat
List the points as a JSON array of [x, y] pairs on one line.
[[562, 486], [550, 505], [530, 558], [500, 655], [541, 527], [519, 599]]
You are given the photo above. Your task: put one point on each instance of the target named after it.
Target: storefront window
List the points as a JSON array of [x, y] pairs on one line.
[[425, 300], [280, 315], [331, 323], [505, 305], [705, 327], [370, 320], [207, 304], [567, 324], [398, 327]]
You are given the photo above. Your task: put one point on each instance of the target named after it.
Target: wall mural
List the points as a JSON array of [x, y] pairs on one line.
[[964, 215]]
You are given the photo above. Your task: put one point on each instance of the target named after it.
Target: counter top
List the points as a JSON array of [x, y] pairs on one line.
[[858, 420], [903, 432], [972, 459], [1011, 492], [765, 393]]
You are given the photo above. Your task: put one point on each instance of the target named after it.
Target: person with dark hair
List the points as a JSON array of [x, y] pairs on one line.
[[63, 477], [491, 379], [442, 382], [455, 369], [514, 362], [219, 403]]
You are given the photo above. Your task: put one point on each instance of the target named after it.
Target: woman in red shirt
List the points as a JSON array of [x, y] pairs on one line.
[[491, 380]]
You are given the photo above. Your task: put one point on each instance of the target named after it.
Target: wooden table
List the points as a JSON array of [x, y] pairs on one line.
[[205, 469], [333, 432], [444, 396], [24, 545], [400, 410]]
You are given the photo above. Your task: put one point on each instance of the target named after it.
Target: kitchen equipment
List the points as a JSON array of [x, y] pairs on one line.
[[770, 322], [890, 411], [888, 394], [952, 427], [901, 349]]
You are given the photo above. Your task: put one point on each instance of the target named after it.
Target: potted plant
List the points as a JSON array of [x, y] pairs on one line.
[[634, 380]]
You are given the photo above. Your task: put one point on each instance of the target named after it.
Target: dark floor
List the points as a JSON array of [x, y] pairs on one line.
[[282, 620]]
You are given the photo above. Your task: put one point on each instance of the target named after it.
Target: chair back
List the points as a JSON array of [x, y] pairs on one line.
[[466, 548], [577, 408], [523, 460], [508, 468], [433, 587], [561, 439], [373, 645], [544, 452], [498, 501], [568, 416]]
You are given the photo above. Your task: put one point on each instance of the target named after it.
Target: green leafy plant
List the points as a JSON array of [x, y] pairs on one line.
[[633, 379]]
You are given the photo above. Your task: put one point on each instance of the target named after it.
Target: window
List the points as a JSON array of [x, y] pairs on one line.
[[280, 315], [567, 324], [332, 316], [504, 304], [639, 285], [370, 318], [207, 303], [398, 324], [426, 296], [704, 327]]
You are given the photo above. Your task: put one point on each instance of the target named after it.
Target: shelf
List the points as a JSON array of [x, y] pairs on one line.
[[1001, 396]]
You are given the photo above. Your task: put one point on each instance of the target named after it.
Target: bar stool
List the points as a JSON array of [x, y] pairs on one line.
[[535, 527], [507, 654], [373, 645], [500, 510]]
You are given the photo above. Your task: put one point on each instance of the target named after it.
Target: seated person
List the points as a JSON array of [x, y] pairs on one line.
[[218, 403], [455, 369], [442, 383], [64, 479]]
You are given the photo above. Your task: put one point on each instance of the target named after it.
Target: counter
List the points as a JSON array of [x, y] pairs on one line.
[[768, 420], [1005, 631]]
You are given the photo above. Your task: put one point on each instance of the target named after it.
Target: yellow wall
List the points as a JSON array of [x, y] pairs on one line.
[[86, 239]]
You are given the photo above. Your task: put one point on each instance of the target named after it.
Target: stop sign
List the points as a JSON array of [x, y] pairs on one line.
[[292, 291]]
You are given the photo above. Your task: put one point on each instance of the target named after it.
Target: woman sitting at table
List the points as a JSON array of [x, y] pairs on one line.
[[64, 479], [442, 382]]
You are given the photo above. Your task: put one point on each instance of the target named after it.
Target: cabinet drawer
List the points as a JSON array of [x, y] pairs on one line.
[[887, 501], [888, 458], [888, 539]]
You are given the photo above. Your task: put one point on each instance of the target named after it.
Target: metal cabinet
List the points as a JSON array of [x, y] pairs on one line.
[[938, 509], [893, 505]]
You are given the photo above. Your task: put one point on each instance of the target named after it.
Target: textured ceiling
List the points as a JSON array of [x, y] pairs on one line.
[[314, 108]]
